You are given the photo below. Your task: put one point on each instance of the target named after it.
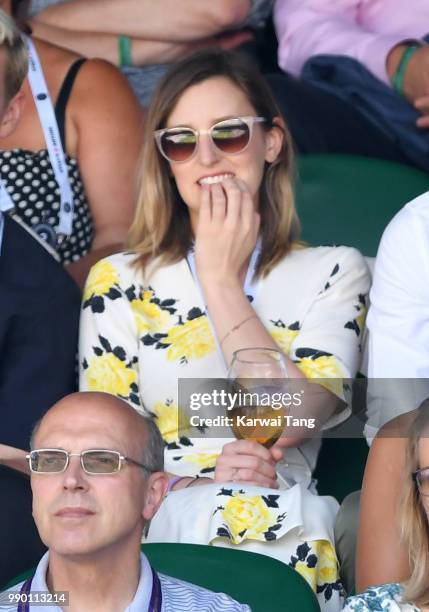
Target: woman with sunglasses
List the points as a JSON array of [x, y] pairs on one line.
[[215, 203], [411, 595]]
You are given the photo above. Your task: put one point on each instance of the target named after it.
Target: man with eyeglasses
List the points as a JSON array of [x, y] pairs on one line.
[[97, 478]]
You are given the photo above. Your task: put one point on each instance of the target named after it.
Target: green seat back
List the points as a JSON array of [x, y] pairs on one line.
[[261, 582], [346, 199]]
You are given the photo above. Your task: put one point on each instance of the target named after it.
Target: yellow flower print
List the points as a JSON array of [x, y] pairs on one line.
[[149, 317], [109, 374], [192, 340], [102, 277], [203, 461], [247, 517], [284, 337], [360, 320], [327, 562], [308, 573], [283, 334], [171, 420], [326, 368]]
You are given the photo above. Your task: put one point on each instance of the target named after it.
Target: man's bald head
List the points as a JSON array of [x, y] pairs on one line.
[[93, 410], [85, 513]]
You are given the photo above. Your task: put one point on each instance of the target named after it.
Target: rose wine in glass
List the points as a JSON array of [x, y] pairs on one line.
[[258, 380]]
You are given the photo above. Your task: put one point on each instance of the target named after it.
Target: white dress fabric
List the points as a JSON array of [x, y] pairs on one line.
[[139, 337]]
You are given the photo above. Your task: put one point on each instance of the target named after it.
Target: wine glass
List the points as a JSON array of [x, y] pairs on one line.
[[258, 381]]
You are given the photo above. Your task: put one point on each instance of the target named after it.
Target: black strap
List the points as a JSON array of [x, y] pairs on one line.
[[63, 98]]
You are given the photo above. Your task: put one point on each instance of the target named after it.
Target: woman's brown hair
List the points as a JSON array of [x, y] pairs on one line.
[[161, 229]]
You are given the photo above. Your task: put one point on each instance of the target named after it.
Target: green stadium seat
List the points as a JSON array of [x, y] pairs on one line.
[[346, 199], [261, 582]]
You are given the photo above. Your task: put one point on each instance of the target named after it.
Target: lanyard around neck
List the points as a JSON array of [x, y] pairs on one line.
[[155, 603], [51, 133]]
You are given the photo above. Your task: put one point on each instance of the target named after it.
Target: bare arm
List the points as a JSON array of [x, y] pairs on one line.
[[160, 20], [228, 211], [381, 557], [14, 458], [109, 123], [143, 52]]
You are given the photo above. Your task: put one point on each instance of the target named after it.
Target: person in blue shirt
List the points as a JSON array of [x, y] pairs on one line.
[[97, 476]]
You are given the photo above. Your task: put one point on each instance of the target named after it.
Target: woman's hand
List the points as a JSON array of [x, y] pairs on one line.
[[227, 231], [248, 462]]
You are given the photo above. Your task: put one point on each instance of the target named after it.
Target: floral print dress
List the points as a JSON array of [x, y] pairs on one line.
[[384, 598], [139, 338]]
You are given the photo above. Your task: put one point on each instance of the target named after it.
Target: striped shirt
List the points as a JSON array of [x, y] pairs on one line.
[[177, 596]]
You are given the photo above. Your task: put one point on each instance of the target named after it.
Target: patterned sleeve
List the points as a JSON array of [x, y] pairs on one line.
[[108, 341], [328, 341], [384, 598], [326, 344]]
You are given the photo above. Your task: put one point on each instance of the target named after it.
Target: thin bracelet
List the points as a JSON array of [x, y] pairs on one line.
[[124, 51], [233, 329], [397, 79]]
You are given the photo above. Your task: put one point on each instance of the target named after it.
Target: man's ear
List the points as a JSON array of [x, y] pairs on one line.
[[12, 114], [274, 139], [156, 488]]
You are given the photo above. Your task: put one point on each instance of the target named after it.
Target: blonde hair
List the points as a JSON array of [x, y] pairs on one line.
[[16, 63], [414, 521], [161, 228]]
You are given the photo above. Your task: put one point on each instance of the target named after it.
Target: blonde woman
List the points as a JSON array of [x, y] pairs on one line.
[[215, 201], [412, 595]]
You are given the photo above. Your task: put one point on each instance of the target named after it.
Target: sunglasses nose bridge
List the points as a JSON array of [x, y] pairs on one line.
[[207, 151]]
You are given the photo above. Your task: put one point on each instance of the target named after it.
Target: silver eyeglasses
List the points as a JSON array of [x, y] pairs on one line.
[[93, 461], [230, 136]]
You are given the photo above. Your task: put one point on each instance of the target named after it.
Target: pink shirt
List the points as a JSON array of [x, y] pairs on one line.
[[365, 30]]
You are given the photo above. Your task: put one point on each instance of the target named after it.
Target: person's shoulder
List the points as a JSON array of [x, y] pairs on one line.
[[179, 596], [98, 81], [413, 217], [384, 597], [123, 261], [8, 598], [117, 270], [324, 258]]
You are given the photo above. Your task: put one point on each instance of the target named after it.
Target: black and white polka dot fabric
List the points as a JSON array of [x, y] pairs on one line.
[[30, 180]]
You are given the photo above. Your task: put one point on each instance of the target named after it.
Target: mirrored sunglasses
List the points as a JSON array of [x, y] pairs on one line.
[[231, 136]]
